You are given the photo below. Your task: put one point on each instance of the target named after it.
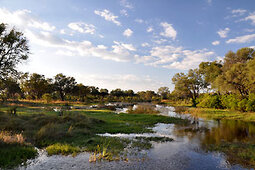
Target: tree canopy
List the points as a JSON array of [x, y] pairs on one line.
[[13, 50]]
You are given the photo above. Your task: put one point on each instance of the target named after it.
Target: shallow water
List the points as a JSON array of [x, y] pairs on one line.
[[185, 152]]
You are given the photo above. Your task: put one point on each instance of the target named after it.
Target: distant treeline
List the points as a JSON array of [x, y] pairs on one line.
[[61, 87], [220, 84]]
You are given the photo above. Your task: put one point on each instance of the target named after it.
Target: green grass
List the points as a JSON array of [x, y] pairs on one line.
[[12, 155], [63, 149], [221, 114]]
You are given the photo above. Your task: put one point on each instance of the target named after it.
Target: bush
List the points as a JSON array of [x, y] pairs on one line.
[[230, 101], [63, 149], [251, 103], [210, 101], [242, 105]]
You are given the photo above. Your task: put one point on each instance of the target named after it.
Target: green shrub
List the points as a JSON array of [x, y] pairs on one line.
[[210, 101], [251, 103], [63, 149], [230, 101], [242, 105]]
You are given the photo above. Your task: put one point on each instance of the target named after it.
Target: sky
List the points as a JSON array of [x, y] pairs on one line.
[[128, 44]]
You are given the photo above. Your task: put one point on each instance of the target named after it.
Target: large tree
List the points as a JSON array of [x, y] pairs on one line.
[[13, 50], [64, 85], [236, 76], [189, 85]]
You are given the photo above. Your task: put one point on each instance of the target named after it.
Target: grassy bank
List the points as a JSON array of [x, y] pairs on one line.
[[75, 131], [217, 114]]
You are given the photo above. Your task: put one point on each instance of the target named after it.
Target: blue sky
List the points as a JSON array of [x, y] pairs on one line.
[[128, 44]]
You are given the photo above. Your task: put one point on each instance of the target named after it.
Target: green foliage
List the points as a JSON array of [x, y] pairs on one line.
[[230, 101], [251, 103], [189, 85], [63, 149], [210, 101], [163, 92], [13, 50], [64, 85], [210, 71], [242, 105], [36, 85]]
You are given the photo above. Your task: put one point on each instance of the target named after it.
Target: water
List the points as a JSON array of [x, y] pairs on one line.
[[185, 152]]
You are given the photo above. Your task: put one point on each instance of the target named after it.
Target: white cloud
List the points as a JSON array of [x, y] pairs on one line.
[[160, 41], [145, 44], [126, 4], [169, 31], [223, 33], [82, 27], [62, 31], [215, 42], [123, 12], [119, 52], [23, 19], [242, 39], [149, 29], [122, 46], [238, 12], [108, 16], [251, 17], [175, 57], [139, 21], [128, 32]]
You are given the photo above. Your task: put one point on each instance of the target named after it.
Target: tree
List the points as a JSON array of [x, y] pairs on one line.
[[13, 50], [189, 85], [241, 56], [64, 85], [130, 93], [9, 88], [251, 74], [117, 93], [163, 92], [81, 91], [104, 92], [210, 71], [36, 85], [237, 70], [235, 80]]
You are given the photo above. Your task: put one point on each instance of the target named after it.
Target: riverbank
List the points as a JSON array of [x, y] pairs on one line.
[[217, 114], [76, 131]]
